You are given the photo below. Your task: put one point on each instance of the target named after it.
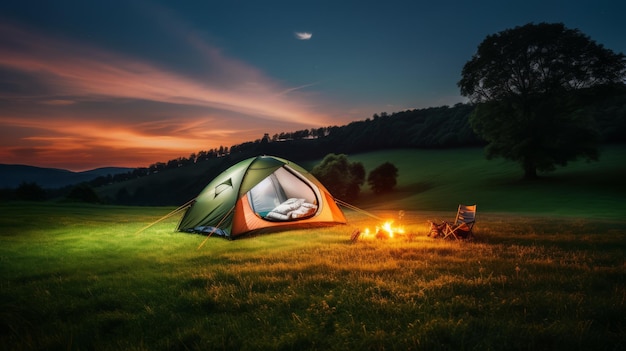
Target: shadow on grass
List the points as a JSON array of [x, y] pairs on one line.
[[588, 178], [398, 194]]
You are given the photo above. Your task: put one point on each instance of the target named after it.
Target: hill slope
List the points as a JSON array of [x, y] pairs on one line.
[[433, 180], [13, 175], [441, 179]]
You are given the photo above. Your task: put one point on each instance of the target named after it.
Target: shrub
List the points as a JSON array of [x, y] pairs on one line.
[[383, 178], [341, 177], [83, 193], [30, 192]]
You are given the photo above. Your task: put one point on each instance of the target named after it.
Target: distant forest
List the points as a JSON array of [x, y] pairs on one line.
[[428, 128], [437, 127]]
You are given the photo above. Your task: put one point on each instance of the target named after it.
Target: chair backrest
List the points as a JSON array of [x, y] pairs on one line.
[[466, 214]]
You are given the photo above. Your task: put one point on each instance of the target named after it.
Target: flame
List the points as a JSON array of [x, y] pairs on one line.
[[386, 230]]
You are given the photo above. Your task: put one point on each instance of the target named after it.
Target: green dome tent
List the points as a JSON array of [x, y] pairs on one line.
[[260, 192]]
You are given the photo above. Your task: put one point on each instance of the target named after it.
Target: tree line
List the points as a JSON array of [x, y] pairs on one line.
[[427, 128], [436, 127]]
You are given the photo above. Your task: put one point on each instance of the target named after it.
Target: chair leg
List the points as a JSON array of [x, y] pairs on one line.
[[449, 231]]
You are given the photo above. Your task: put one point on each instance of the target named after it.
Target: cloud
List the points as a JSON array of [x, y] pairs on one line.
[[303, 35], [58, 102], [61, 139], [68, 69], [78, 96]]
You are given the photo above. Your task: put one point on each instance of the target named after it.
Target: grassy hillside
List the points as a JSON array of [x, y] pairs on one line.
[[438, 180], [441, 179]]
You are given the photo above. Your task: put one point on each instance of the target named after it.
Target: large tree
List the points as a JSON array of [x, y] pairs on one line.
[[526, 83]]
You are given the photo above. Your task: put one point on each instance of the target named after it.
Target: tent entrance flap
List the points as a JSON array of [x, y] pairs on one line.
[[276, 189]]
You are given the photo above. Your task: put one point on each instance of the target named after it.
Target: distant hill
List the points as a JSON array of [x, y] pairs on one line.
[[11, 176], [168, 187]]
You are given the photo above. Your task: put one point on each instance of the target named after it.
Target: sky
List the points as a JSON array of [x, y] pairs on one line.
[[128, 83]]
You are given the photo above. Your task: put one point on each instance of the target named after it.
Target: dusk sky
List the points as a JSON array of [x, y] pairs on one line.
[[87, 84]]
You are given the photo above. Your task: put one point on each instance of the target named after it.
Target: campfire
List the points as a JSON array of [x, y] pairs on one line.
[[384, 231]]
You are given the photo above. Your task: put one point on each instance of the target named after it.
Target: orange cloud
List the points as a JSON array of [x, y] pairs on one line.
[[84, 108], [82, 71], [96, 143]]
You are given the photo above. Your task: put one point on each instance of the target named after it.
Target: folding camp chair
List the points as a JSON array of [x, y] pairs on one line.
[[463, 224]]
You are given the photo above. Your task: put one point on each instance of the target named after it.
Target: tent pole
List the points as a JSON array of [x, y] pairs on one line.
[[187, 204]]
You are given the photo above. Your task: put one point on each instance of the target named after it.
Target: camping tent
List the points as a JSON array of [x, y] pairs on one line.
[[260, 192]]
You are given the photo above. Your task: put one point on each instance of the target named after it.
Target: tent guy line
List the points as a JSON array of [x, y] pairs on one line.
[[179, 209]]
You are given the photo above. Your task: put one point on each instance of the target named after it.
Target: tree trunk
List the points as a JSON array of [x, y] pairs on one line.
[[530, 170]]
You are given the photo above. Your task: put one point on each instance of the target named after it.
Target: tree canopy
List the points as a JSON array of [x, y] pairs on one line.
[[527, 84], [383, 178], [83, 193], [341, 177], [30, 191]]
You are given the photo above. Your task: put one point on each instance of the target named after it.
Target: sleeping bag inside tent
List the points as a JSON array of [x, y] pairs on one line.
[[260, 192]]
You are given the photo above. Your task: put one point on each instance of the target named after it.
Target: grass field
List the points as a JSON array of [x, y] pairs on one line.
[[547, 271]]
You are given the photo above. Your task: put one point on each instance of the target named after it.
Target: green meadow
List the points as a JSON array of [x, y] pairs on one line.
[[547, 270]]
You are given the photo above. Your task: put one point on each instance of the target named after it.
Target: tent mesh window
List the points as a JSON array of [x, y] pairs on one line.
[[279, 188]]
